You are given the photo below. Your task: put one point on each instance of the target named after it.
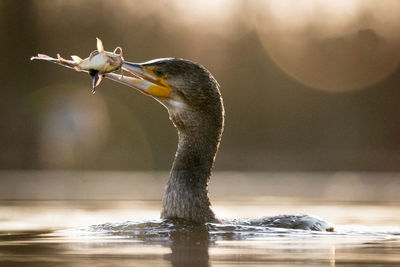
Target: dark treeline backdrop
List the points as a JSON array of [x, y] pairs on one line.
[[307, 86]]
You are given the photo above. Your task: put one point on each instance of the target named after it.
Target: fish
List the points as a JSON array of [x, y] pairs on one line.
[[97, 64]]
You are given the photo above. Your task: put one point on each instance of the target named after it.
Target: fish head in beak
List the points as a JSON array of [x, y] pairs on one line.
[[149, 79]]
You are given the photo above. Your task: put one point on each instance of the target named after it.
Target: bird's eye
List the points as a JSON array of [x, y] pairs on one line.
[[159, 72]]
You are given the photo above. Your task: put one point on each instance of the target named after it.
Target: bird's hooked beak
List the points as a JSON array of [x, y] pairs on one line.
[[144, 80]]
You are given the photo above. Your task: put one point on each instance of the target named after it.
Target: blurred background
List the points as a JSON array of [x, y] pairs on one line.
[[308, 85]]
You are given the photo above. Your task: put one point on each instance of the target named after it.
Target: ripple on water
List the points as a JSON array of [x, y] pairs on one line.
[[165, 230]]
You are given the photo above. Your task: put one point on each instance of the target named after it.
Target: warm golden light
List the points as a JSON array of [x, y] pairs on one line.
[[332, 45], [300, 13]]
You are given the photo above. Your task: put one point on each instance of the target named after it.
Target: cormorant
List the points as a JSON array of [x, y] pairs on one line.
[[194, 103]]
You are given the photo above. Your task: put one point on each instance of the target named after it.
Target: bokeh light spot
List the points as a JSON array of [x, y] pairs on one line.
[[334, 46]]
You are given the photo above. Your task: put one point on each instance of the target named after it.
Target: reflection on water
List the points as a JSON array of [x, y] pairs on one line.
[[153, 242]]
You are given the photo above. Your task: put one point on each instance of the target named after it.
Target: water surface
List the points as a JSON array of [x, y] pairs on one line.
[[129, 233]]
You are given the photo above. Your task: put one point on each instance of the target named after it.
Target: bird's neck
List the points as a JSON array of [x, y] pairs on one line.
[[186, 194]]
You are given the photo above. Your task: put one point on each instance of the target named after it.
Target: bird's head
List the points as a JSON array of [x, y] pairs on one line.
[[186, 89]]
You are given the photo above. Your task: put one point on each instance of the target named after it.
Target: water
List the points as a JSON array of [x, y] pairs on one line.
[[129, 233], [99, 227]]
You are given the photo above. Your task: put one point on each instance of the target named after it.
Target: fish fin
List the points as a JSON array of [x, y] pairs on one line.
[[100, 46], [96, 80], [77, 59], [43, 57], [77, 68], [61, 59], [120, 50]]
